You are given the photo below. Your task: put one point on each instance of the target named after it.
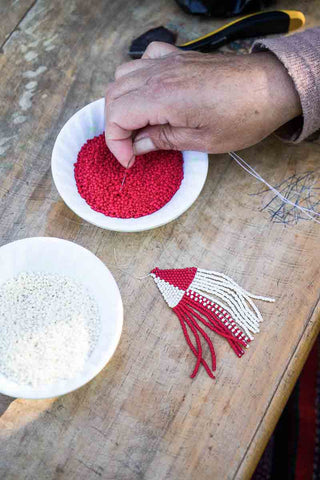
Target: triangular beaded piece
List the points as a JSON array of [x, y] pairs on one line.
[[201, 298]]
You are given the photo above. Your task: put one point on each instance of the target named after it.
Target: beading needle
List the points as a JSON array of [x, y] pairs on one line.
[[125, 173]]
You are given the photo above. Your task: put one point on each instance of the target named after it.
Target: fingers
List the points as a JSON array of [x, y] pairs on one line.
[[121, 120], [123, 86], [119, 142], [158, 50], [127, 110], [153, 51], [130, 67], [123, 117], [166, 137], [129, 79]]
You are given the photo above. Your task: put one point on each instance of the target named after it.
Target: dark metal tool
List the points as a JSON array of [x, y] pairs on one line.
[[254, 25]]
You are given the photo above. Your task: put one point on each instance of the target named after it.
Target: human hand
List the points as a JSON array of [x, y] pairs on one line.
[[178, 100]]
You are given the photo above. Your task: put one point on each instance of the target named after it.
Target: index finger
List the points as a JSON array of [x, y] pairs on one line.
[[124, 116], [119, 142]]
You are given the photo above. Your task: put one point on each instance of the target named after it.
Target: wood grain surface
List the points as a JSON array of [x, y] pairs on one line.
[[11, 13], [142, 417]]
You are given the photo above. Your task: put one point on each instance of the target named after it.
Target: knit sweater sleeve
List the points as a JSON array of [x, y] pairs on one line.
[[300, 54]]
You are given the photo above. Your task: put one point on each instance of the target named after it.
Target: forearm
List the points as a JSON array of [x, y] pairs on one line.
[[300, 56]]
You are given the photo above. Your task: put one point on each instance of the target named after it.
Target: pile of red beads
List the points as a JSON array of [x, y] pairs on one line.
[[150, 183]]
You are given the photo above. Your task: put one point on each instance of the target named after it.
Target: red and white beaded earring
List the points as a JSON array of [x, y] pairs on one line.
[[202, 298]]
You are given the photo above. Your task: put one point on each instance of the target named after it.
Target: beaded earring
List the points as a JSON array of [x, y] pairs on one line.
[[205, 298]]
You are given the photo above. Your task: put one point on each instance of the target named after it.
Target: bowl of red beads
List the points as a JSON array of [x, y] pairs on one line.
[[158, 188]]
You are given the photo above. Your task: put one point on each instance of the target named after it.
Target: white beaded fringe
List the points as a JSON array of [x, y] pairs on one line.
[[237, 301]]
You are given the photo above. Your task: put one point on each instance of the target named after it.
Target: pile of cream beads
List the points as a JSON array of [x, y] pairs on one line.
[[49, 326]]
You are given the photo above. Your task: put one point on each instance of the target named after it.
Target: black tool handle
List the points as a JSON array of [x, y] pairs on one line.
[[254, 25]]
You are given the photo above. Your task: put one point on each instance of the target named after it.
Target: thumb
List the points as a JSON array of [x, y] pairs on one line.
[[159, 137]]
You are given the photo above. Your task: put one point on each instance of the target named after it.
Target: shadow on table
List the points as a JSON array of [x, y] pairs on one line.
[[5, 402]]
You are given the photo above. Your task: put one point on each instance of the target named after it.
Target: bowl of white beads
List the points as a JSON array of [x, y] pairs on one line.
[[60, 317]]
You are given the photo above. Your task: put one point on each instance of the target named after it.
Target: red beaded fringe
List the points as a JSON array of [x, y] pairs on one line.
[[192, 313]]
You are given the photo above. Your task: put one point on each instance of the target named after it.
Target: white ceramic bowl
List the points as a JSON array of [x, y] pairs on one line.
[[89, 122], [53, 255]]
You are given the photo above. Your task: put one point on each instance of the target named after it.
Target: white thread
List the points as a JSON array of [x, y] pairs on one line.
[[126, 266], [243, 164]]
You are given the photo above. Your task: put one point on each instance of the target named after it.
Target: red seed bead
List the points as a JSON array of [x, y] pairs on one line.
[[149, 185]]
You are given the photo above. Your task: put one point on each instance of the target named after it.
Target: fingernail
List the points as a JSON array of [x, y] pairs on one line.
[[144, 145]]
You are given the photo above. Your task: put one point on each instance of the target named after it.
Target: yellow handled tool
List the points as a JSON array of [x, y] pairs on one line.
[[254, 25]]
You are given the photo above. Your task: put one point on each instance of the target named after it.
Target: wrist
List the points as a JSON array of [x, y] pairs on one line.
[[281, 93]]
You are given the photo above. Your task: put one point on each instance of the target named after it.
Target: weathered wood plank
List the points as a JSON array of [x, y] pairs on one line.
[[11, 14], [143, 417]]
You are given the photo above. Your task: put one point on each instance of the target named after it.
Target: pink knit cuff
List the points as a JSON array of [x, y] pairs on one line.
[[300, 54]]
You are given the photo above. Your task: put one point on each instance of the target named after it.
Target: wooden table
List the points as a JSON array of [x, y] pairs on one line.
[[143, 417]]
